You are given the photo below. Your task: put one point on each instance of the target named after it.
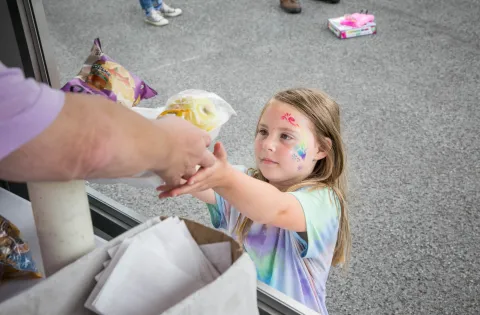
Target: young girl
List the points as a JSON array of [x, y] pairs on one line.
[[290, 212]]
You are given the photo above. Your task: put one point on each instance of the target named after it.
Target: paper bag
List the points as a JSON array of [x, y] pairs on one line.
[[65, 292]]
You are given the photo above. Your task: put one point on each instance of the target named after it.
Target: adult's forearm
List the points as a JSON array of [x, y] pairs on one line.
[[91, 138]]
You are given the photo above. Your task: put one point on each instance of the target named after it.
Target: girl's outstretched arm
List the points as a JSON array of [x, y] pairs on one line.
[[207, 196], [262, 202]]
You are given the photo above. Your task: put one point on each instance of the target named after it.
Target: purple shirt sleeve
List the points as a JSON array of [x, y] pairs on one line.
[[26, 108]]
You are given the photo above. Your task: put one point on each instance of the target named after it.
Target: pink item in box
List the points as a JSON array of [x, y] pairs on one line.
[[357, 19]]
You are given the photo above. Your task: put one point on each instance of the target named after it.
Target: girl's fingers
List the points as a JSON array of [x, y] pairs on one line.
[[164, 195], [168, 193], [219, 151], [201, 176], [183, 190], [171, 193], [163, 188]]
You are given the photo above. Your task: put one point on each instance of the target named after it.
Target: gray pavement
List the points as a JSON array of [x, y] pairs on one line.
[[410, 112]]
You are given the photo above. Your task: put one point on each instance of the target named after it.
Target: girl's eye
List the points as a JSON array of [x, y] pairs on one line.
[[284, 136], [262, 132]]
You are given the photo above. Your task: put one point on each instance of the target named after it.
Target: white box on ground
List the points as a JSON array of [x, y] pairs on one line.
[[344, 31]]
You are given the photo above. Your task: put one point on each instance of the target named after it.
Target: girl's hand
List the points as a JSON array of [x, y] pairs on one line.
[[205, 178]]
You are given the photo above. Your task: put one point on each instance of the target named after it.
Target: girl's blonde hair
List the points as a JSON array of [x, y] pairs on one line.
[[329, 172]]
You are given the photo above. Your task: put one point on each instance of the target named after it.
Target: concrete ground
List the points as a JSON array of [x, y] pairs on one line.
[[409, 97]]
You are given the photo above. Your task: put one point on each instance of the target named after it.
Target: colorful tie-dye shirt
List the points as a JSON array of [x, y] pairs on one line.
[[285, 260]]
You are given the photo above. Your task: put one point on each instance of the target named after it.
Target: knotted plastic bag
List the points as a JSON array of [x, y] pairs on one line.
[[102, 75], [15, 256]]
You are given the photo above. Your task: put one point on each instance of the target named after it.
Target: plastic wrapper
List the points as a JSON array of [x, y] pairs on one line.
[[205, 110], [15, 256], [102, 75]]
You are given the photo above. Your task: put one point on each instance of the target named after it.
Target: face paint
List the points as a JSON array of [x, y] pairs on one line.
[[301, 150], [299, 154], [288, 117], [295, 157]]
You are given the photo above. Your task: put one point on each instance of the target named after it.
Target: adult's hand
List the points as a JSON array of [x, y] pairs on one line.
[[93, 137], [186, 148]]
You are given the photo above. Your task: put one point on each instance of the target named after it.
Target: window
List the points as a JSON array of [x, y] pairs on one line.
[[51, 40]]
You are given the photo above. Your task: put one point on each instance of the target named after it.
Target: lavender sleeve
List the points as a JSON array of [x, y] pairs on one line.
[[26, 108]]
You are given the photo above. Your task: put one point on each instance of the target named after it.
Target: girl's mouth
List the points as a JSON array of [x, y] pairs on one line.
[[268, 161]]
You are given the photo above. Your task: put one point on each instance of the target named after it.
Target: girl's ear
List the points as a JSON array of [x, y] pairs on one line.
[[323, 151]]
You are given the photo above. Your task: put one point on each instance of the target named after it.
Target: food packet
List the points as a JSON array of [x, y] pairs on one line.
[[102, 75], [204, 109], [15, 256]]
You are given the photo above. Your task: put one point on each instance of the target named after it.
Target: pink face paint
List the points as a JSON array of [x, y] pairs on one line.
[[288, 117]]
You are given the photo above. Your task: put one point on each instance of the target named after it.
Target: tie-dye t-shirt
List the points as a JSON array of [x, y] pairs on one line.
[[284, 260]]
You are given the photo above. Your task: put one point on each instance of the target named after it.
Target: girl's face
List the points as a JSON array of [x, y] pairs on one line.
[[286, 150]]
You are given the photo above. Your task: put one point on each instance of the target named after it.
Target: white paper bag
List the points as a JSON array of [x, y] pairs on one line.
[[144, 282], [65, 292]]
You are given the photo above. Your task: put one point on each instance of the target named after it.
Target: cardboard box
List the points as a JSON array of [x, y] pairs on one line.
[[343, 31], [65, 292]]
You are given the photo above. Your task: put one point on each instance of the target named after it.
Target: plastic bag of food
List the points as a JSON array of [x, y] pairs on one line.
[[104, 76], [15, 256], [205, 110]]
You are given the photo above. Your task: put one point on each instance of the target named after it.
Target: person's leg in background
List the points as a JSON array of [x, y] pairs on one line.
[[330, 1], [152, 16], [291, 6], [165, 9], [294, 6]]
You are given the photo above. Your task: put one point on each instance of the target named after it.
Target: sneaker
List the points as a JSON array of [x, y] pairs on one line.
[[169, 11], [291, 6], [156, 18]]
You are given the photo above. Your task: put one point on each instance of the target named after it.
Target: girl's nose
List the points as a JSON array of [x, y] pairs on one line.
[[269, 144]]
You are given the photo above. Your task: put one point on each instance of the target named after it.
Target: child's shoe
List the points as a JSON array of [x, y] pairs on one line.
[[166, 10], [155, 18]]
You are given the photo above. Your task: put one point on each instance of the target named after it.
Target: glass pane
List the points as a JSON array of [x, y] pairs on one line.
[[409, 103], [217, 53]]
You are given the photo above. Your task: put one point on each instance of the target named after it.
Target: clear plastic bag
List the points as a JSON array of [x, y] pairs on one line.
[[15, 256], [204, 109], [102, 75]]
